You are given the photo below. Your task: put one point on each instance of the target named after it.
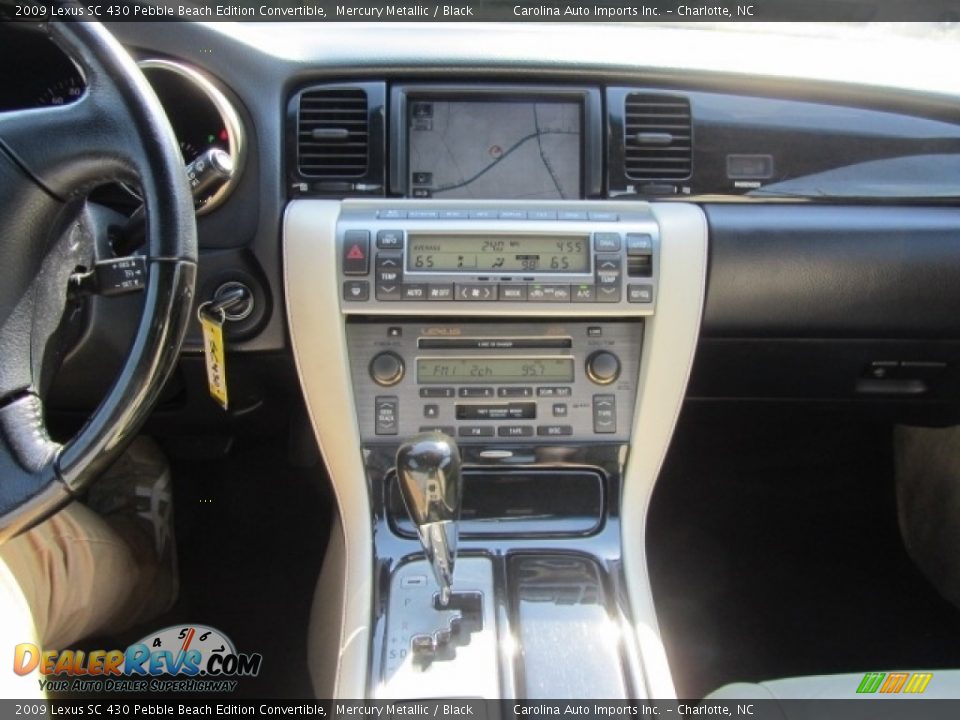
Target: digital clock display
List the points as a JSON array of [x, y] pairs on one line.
[[509, 253], [438, 370]]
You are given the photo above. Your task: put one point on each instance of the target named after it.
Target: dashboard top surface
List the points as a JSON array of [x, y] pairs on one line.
[[854, 56]]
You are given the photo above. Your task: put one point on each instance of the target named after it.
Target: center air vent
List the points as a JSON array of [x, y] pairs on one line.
[[333, 133], [657, 137]]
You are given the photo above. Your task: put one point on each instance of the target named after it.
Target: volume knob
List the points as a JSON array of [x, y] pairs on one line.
[[603, 367], [386, 369]]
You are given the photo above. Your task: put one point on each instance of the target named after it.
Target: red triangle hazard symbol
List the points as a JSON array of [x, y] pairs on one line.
[[355, 253]]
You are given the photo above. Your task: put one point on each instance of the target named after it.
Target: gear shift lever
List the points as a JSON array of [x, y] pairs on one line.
[[428, 467]]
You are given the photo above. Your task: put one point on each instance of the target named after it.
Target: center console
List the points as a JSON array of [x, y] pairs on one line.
[[543, 344]]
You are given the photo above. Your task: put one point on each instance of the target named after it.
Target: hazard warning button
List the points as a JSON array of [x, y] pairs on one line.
[[356, 252]]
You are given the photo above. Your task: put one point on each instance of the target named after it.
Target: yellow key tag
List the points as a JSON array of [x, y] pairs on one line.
[[213, 355]]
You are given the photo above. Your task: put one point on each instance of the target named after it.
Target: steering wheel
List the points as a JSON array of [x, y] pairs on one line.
[[50, 159]]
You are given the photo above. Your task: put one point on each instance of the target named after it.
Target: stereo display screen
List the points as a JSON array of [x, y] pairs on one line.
[[500, 253], [517, 149], [432, 370]]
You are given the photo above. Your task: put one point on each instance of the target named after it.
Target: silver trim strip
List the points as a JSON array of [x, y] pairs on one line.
[[237, 140]]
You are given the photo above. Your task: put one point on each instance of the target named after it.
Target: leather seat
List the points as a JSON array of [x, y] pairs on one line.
[[943, 684]]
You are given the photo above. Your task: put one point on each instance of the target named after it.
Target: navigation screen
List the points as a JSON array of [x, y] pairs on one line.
[[480, 149]]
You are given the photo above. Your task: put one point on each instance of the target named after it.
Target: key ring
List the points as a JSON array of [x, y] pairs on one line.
[[208, 304]]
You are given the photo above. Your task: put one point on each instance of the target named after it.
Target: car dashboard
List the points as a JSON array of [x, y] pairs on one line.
[[542, 240]]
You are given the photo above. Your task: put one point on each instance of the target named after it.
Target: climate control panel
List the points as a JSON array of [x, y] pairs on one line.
[[509, 381], [446, 258]]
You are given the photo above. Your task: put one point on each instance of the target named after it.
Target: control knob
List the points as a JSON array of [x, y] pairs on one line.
[[386, 369], [603, 367]]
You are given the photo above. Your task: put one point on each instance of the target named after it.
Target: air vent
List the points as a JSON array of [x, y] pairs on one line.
[[657, 137], [333, 133]]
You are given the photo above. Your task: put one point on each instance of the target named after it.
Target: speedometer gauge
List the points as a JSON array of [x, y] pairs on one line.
[[201, 116], [62, 92]]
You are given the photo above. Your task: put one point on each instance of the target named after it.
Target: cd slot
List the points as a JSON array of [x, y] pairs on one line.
[[492, 343]]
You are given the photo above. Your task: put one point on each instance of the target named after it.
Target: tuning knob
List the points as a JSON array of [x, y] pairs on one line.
[[603, 367], [386, 369]]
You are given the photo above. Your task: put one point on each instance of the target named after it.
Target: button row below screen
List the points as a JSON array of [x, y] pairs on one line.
[[359, 291]]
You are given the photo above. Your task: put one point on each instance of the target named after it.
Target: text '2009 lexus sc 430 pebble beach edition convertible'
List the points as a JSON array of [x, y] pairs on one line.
[[518, 360]]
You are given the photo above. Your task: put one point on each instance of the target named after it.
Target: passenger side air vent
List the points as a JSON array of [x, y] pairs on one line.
[[333, 133], [657, 137]]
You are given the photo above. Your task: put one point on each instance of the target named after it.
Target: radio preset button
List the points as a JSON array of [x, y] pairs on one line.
[[356, 252], [606, 242], [515, 431], [356, 290], [514, 392], [413, 291], [386, 368], [554, 430], [476, 292], [475, 431], [516, 293], [390, 239], [437, 392], [440, 292], [476, 392]]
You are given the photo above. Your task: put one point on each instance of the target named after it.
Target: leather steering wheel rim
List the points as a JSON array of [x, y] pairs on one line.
[[50, 158]]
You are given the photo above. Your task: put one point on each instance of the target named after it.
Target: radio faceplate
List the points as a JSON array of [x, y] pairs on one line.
[[495, 383], [515, 258]]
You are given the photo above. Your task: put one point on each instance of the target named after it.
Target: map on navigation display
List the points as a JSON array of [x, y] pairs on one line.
[[480, 149]]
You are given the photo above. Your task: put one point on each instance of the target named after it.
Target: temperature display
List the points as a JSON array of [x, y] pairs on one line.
[[494, 370], [498, 253]]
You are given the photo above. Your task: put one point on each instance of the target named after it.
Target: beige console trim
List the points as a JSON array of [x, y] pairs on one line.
[[320, 351], [670, 339], [319, 345]]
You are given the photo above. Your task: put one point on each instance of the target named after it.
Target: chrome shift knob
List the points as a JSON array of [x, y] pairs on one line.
[[428, 468]]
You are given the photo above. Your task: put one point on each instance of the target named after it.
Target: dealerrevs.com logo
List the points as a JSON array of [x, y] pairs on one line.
[[180, 658]]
